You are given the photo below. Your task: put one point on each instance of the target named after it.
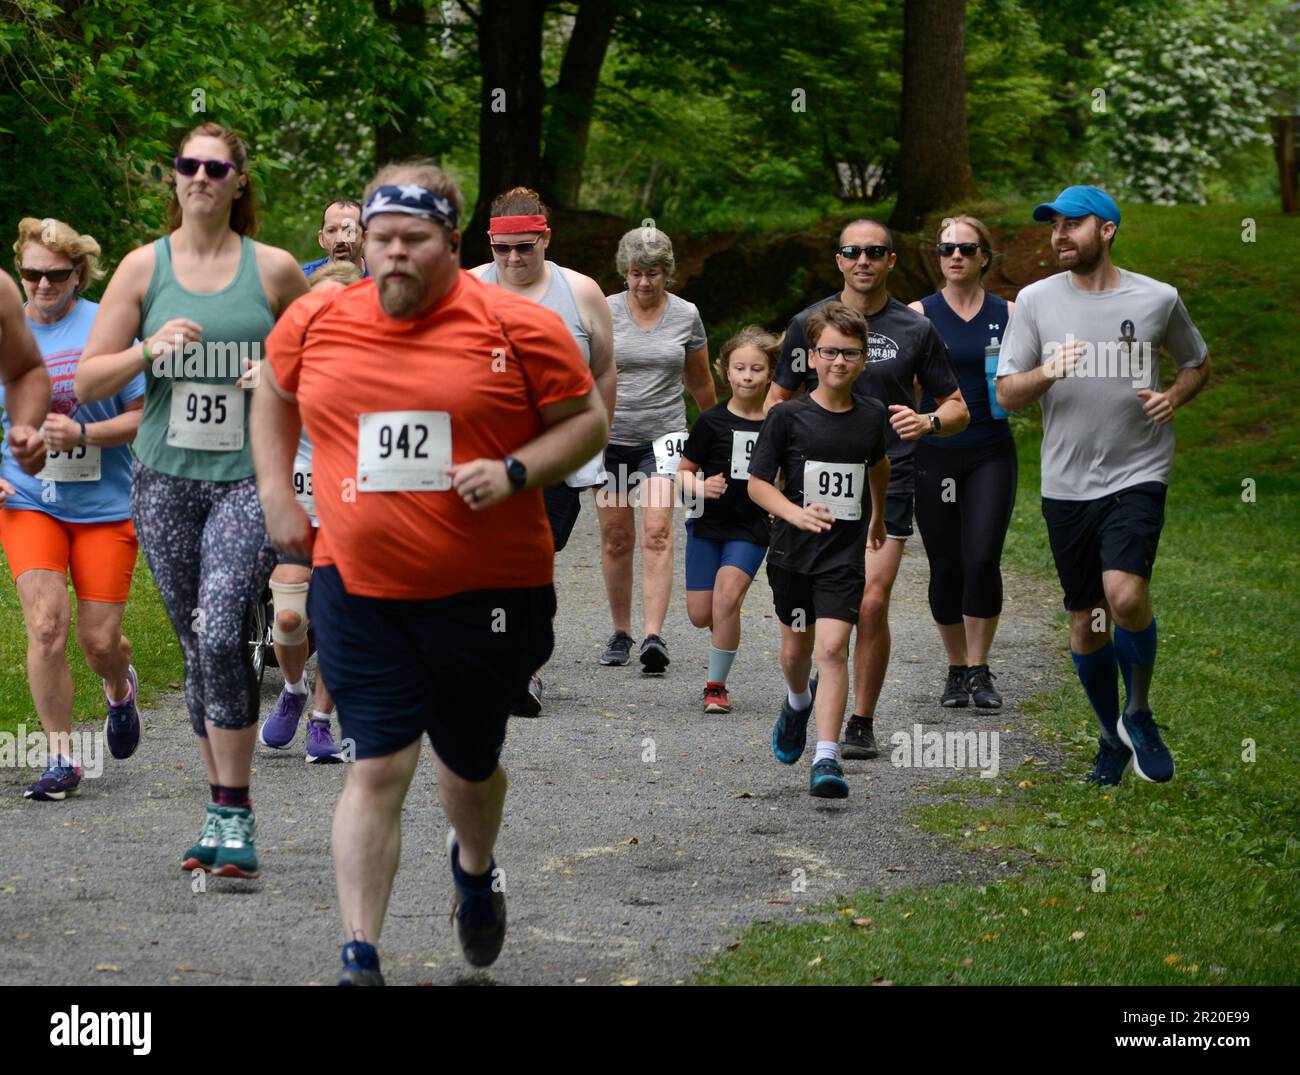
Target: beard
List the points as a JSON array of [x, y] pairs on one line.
[[1087, 256], [401, 296]]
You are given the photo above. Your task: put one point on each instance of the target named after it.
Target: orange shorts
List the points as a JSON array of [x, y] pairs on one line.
[[101, 556]]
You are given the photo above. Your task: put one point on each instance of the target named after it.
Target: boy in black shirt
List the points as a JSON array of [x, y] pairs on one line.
[[828, 444], [727, 543]]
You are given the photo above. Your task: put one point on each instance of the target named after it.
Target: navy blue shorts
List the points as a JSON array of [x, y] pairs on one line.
[[447, 668], [706, 556]]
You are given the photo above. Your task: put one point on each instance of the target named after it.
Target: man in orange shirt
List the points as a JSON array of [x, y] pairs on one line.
[[431, 590]]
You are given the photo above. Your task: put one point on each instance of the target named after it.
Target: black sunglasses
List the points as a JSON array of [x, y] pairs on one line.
[[968, 250], [852, 253], [189, 166], [504, 249], [54, 276]]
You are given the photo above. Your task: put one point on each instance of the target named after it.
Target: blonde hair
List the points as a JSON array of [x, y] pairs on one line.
[[979, 227], [754, 336], [61, 238], [342, 272]]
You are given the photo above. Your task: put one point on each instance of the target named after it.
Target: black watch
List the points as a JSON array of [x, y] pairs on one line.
[[516, 472], [935, 424]]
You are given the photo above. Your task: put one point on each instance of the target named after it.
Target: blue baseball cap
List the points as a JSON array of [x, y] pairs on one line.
[[1078, 202]]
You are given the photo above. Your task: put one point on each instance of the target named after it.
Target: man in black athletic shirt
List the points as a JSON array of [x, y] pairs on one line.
[[903, 349]]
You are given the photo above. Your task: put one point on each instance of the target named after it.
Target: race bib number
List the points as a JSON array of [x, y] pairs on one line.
[[302, 490], [742, 447], [404, 451], [668, 452], [206, 417], [837, 485], [76, 465]]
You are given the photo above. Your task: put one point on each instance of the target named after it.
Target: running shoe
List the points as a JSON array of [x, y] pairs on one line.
[[618, 650], [827, 780], [236, 855], [360, 965], [1110, 764], [321, 748], [204, 852], [979, 681], [860, 739], [478, 916], [530, 705], [715, 698], [122, 727], [956, 695], [1151, 758], [54, 784], [279, 729], [790, 734], [654, 655]]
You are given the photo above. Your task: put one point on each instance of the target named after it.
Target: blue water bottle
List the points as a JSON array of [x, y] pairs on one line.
[[991, 377]]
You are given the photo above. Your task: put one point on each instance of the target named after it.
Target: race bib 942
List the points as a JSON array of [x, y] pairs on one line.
[[401, 451]]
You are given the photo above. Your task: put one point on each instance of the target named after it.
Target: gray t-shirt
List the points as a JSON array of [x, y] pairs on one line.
[[649, 401], [1096, 440]]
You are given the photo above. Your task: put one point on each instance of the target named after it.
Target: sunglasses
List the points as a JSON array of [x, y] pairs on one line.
[[506, 249], [54, 276], [968, 250], [852, 253], [189, 166]]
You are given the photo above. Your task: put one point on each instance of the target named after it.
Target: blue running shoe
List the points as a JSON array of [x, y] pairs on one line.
[[1110, 764], [280, 727], [54, 784], [122, 728], [360, 965], [478, 915], [1151, 758], [827, 780], [790, 734]]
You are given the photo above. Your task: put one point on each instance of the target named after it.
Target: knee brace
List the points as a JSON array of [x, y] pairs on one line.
[[289, 597]]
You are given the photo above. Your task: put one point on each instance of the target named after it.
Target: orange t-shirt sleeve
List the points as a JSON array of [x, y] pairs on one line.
[[285, 341], [554, 368]]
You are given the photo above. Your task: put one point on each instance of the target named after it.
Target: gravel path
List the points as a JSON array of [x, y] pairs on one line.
[[616, 868]]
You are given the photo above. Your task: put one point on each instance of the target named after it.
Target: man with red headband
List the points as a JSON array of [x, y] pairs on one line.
[[438, 408], [519, 234]]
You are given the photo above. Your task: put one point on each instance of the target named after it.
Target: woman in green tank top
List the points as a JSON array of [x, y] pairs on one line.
[[202, 299]]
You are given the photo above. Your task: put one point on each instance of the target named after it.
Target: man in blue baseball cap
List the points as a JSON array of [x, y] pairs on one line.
[[1086, 343]]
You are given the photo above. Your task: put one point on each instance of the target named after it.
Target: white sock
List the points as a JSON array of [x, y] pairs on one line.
[[316, 714], [799, 701], [118, 701], [827, 748], [298, 688]]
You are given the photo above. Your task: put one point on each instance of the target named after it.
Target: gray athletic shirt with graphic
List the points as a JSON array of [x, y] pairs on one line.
[[1096, 439], [649, 401]]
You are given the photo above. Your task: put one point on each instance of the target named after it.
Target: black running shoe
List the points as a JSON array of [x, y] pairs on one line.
[[478, 916], [979, 681], [956, 695], [860, 739], [1113, 760], [618, 650], [654, 655]]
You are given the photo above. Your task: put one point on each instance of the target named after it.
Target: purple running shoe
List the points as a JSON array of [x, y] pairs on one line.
[[281, 726], [321, 747], [122, 728]]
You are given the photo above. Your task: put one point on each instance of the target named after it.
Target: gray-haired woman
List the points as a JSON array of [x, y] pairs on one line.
[[659, 345]]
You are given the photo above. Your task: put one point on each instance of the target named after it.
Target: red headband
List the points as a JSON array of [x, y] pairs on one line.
[[515, 225]]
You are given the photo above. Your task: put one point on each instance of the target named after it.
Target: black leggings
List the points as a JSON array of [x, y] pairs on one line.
[[964, 499]]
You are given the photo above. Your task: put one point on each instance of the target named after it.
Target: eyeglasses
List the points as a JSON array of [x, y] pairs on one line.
[[189, 166], [852, 253], [54, 276], [968, 250], [506, 249], [830, 354]]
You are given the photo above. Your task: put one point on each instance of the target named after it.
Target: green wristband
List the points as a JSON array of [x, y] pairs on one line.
[[144, 349]]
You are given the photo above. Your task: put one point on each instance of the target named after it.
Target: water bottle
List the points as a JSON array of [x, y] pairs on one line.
[[991, 377]]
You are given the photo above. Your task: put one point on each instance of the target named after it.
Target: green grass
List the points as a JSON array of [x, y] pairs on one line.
[[1200, 874], [157, 656]]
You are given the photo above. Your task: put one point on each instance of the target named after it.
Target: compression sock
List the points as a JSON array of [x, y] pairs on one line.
[[1100, 678], [720, 664], [1136, 651]]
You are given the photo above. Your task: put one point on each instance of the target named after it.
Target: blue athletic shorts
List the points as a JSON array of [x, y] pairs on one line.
[[447, 668], [704, 557]]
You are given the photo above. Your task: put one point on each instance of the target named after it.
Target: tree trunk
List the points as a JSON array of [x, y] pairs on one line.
[[569, 124], [934, 169], [510, 108], [399, 138]]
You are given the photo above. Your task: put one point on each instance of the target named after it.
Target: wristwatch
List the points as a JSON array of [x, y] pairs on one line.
[[81, 443], [516, 472], [935, 424]]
